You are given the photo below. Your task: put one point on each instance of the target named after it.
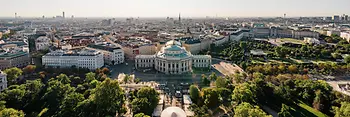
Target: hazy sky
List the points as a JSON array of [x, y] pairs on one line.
[[163, 8]]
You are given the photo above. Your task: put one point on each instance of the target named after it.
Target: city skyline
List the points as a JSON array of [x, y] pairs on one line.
[[167, 8]]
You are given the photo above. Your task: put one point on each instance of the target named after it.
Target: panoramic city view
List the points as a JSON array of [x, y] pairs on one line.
[[183, 58]]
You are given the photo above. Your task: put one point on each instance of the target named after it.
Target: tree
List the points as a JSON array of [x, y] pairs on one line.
[[285, 111], [13, 74], [347, 59], [29, 69], [247, 110], [211, 97], [292, 69], [109, 98], [137, 80], [221, 82], [194, 93], [224, 96], [212, 76], [90, 77], [63, 78], [281, 51], [141, 115], [55, 93], [105, 70], [325, 53], [317, 104], [126, 79], [69, 103], [205, 80], [10, 112], [244, 93], [146, 100], [336, 55], [14, 96], [281, 68], [238, 78], [201, 111], [343, 111], [2, 105]]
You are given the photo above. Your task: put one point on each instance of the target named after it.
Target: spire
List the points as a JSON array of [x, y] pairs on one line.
[[179, 17]]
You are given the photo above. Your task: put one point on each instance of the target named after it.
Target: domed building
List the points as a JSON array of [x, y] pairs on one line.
[[173, 58]]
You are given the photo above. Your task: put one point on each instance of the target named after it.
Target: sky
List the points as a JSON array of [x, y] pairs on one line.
[[171, 8]]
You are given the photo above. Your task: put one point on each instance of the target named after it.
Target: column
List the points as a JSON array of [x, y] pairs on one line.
[[178, 67], [171, 67]]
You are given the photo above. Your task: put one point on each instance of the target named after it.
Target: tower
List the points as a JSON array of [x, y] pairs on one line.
[[179, 17], [284, 16], [15, 15], [63, 15]]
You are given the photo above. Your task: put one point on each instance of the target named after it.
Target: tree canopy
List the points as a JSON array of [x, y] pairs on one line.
[[247, 110], [146, 100], [13, 74]]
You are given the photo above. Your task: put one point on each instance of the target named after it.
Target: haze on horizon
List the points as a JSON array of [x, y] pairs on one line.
[[171, 8]]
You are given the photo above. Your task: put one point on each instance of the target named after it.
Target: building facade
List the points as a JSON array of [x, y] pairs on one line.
[[90, 59], [132, 51], [345, 35], [13, 58], [111, 55], [42, 43], [300, 34], [3, 81], [173, 58]]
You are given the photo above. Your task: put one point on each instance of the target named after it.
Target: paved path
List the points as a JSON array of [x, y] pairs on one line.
[[270, 111], [335, 86]]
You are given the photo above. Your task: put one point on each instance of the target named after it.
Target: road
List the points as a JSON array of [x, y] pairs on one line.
[[335, 86]]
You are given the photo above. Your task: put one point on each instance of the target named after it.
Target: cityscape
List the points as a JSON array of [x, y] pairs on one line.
[[220, 64]]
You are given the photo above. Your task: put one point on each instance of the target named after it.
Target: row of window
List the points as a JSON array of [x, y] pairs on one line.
[[173, 71], [145, 60], [202, 61]]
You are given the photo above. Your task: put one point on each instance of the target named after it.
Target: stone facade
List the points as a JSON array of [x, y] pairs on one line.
[[173, 58]]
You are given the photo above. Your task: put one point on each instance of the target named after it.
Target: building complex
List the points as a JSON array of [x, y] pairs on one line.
[[112, 55], [173, 58], [90, 59]]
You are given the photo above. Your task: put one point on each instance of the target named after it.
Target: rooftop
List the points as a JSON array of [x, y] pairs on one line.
[[104, 47], [84, 52], [13, 53]]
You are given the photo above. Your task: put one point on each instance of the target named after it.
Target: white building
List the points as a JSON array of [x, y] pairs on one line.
[[111, 54], [345, 35], [196, 45], [3, 81], [173, 58], [42, 43], [300, 34], [333, 32], [220, 40], [311, 40], [90, 59]]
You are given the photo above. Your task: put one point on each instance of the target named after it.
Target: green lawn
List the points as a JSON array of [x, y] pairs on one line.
[[299, 110], [312, 110], [296, 41]]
